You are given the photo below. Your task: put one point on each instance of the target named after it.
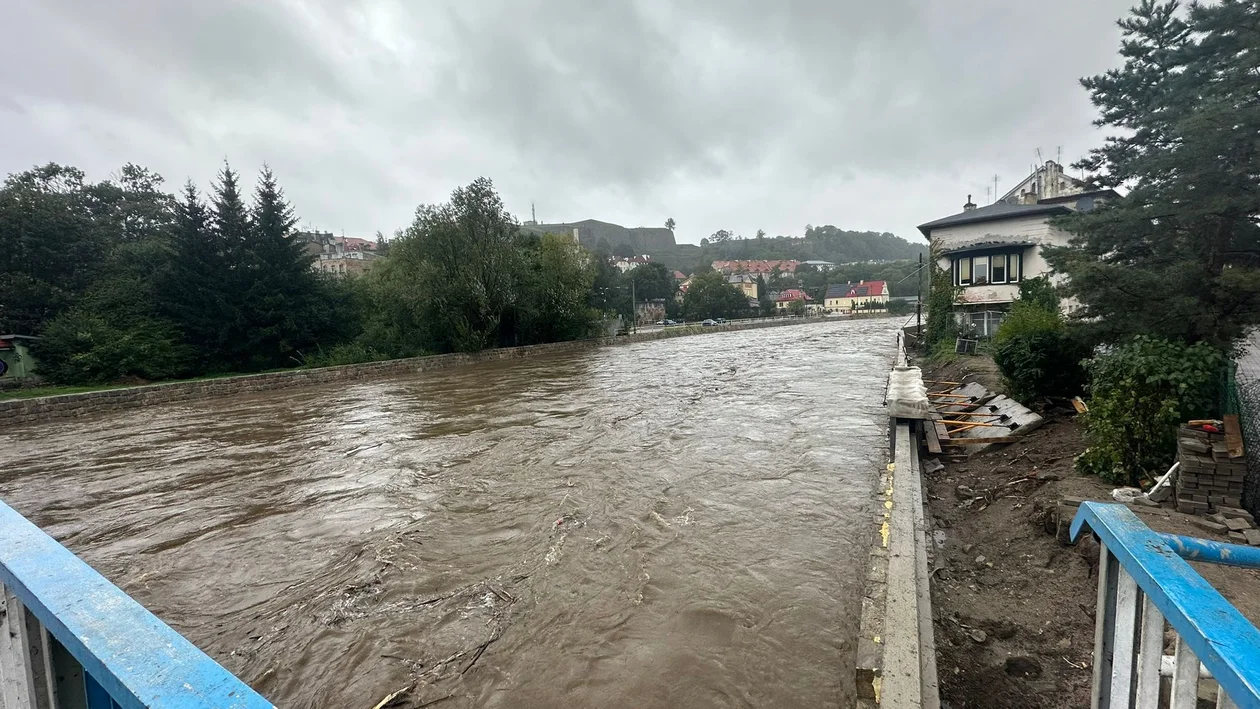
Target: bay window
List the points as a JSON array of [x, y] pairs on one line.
[[988, 269]]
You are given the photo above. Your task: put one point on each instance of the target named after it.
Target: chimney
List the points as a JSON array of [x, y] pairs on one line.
[[969, 206]]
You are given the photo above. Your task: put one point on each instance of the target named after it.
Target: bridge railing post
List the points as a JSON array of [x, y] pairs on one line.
[[70, 639], [1144, 586], [17, 659]]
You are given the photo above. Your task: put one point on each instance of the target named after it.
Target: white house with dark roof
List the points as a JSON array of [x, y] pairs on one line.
[[989, 250]]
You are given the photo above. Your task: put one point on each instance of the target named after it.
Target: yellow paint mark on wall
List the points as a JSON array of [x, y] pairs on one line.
[[877, 684], [883, 533]]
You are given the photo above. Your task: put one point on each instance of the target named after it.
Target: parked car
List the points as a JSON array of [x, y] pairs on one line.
[[721, 321], [709, 323]]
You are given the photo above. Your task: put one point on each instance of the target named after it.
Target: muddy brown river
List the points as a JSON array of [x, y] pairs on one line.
[[677, 523]]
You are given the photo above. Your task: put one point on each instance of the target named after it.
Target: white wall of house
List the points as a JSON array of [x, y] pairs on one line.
[[1034, 229]]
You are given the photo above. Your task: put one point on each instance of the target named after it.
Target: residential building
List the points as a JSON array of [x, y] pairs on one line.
[[863, 295], [746, 283], [338, 255], [785, 298], [682, 289], [679, 276], [819, 265], [649, 311], [352, 243], [755, 268], [345, 263], [629, 264], [989, 250]]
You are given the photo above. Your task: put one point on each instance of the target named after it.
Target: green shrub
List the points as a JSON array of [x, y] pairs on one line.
[[944, 352], [1140, 393], [1035, 354], [1028, 318], [79, 347], [347, 353], [1040, 292], [942, 293], [1103, 463], [1040, 363]]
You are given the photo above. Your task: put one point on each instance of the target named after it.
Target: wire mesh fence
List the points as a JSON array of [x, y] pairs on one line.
[[979, 323], [1245, 395]]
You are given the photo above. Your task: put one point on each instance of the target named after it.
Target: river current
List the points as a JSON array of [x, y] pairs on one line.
[[678, 523]]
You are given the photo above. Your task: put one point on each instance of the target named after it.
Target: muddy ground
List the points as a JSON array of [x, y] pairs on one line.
[[1014, 608]]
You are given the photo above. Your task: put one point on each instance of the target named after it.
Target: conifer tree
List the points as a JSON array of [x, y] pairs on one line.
[[1177, 256], [196, 293]]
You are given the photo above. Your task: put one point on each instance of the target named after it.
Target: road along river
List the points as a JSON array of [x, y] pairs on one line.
[[677, 523]]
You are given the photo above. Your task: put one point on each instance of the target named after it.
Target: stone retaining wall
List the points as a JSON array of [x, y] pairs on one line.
[[18, 411]]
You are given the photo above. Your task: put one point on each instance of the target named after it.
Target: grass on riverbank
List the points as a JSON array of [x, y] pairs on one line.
[[36, 392]]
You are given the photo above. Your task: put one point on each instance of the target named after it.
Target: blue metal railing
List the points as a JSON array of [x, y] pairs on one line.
[[65, 620], [1143, 580]]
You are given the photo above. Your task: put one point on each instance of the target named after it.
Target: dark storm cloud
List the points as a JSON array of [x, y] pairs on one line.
[[735, 114]]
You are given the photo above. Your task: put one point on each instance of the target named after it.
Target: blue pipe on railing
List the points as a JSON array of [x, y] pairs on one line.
[[1225, 642], [126, 651], [1196, 549]]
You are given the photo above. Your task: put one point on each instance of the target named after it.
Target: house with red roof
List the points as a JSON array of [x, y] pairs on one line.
[[863, 295], [354, 243], [785, 298]]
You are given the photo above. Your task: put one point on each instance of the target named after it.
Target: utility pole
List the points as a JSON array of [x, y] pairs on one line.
[[918, 306], [634, 315]]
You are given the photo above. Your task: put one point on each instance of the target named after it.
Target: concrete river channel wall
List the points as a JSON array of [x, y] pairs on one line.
[[677, 522]]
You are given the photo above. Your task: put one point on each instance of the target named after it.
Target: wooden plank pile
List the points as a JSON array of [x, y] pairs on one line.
[[967, 418]]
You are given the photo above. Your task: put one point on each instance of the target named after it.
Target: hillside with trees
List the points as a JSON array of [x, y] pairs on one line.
[[125, 282], [824, 243]]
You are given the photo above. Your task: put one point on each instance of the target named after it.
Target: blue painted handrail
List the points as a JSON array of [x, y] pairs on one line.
[[140, 661], [1224, 641]]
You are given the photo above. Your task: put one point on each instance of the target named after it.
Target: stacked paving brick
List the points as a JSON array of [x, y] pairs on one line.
[[1209, 479]]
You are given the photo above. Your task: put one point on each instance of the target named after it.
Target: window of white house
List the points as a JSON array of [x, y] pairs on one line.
[[988, 269], [980, 270]]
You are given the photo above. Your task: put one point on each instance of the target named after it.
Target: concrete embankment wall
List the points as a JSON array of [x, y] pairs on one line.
[[17, 411], [896, 653]]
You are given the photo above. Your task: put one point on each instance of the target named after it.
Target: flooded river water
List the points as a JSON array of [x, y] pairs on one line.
[[678, 523]]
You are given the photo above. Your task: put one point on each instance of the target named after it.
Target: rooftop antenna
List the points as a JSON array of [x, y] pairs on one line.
[[988, 191], [1039, 160], [995, 184], [533, 213], [1059, 157]]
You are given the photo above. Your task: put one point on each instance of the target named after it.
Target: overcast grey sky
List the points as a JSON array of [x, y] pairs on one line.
[[724, 114]]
